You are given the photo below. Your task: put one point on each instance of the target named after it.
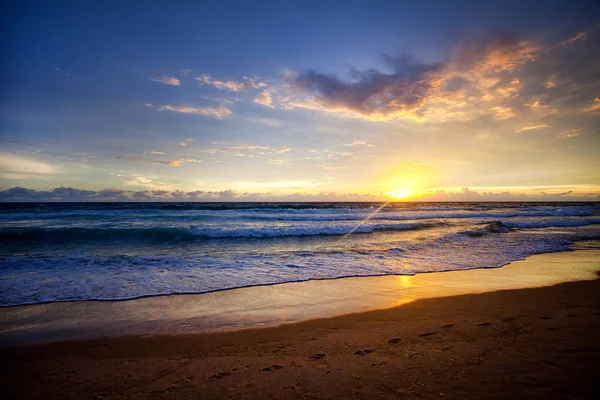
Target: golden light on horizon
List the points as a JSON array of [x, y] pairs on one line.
[[400, 194]]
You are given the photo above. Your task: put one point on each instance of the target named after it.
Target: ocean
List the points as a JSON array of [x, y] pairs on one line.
[[110, 251]]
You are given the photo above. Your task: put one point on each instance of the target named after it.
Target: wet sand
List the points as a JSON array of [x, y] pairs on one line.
[[523, 343]]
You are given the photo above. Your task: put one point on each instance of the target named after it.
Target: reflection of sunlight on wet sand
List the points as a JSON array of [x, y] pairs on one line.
[[405, 280]]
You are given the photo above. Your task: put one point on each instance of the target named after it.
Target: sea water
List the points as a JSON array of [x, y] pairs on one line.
[[111, 251]]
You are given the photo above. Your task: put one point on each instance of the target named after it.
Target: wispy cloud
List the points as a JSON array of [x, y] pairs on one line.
[[357, 143], [185, 142], [234, 86], [235, 149], [171, 163], [16, 166], [532, 128], [570, 133], [578, 36], [216, 112], [167, 80], [594, 106], [177, 163]]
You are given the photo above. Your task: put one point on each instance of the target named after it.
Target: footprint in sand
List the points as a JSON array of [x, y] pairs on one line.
[[484, 324], [544, 317], [272, 368], [571, 315], [220, 375], [363, 352], [427, 334], [446, 326], [378, 364], [508, 319], [394, 341], [317, 356]]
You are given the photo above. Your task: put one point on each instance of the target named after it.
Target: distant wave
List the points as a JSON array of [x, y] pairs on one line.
[[193, 233], [552, 223], [308, 215]]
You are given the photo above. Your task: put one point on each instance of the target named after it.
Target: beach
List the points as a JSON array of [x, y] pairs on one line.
[[537, 342]]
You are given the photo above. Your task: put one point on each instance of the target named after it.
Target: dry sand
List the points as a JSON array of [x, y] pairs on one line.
[[526, 343]]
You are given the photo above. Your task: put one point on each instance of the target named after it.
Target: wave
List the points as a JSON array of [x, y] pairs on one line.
[[290, 215], [552, 223], [156, 234]]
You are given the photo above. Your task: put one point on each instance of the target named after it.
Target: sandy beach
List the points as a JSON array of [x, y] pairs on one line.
[[525, 343]]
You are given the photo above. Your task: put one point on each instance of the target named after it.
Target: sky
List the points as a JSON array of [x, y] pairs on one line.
[[300, 101]]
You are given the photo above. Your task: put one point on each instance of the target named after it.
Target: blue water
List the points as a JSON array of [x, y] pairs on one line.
[[83, 251]]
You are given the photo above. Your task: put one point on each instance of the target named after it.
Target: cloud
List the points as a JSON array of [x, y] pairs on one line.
[[265, 98], [476, 69], [503, 112], [357, 143], [557, 194], [177, 163], [234, 86], [234, 149], [575, 38], [532, 127], [594, 106], [542, 109], [185, 142], [495, 74], [218, 112], [167, 80], [570, 133], [171, 163], [466, 194], [16, 166], [115, 194], [185, 72]]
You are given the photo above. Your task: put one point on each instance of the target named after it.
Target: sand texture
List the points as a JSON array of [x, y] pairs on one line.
[[527, 343]]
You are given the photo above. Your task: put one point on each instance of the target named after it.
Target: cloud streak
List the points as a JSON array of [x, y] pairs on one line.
[[233, 86], [167, 80], [215, 112]]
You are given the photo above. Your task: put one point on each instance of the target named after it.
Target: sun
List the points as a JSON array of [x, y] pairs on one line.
[[400, 194]]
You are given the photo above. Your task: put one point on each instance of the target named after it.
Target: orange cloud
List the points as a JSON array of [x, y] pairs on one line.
[[595, 106], [234, 86], [167, 80], [477, 72], [265, 98], [532, 127]]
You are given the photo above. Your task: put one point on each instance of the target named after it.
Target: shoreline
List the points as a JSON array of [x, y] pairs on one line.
[[521, 343], [273, 305]]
